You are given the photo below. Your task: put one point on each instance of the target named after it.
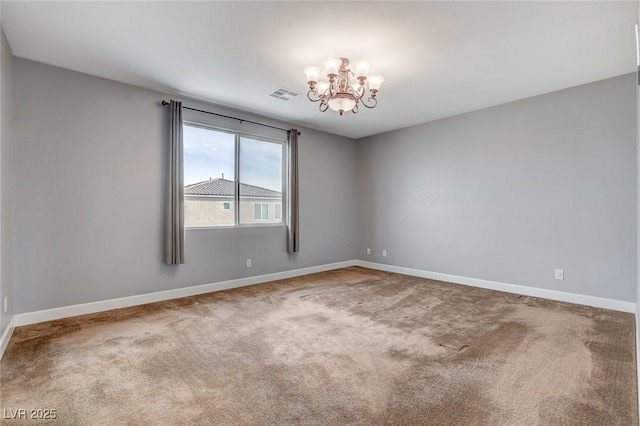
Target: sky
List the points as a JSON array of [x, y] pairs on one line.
[[209, 153]]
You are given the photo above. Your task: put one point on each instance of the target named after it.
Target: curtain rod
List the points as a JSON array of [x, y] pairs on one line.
[[165, 103]]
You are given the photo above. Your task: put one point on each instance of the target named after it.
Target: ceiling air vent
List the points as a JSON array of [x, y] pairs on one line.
[[284, 94]]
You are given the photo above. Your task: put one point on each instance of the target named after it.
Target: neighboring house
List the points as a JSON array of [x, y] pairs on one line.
[[212, 203]]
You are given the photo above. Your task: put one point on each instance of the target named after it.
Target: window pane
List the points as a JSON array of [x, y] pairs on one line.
[[278, 212], [260, 180], [261, 211], [209, 177]]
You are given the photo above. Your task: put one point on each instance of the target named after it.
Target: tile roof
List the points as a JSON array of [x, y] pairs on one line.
[[225, 188]]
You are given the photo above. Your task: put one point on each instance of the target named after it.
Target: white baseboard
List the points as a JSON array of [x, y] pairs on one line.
[[598, 302], [125, 302], [6, 336]]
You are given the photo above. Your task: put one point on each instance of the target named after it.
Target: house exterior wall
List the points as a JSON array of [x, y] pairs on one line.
[[210, 211], [247, 210]]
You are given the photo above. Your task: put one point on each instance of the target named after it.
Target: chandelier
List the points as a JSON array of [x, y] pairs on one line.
[[339, 93]]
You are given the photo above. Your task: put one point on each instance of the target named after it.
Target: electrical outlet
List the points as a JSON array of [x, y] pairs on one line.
[[559, 274], [368, 251], [248, 263], [6, 304], [384, 253]]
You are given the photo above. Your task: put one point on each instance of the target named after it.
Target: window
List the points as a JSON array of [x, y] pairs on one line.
[[261, 211], [231, 179]]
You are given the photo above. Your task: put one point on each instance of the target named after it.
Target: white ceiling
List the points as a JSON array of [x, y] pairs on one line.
[[438, 58]]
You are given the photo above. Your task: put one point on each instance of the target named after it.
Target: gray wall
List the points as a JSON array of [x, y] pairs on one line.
[[638, 243], [506, 194], [89, 191], [6, 142], [510, 193], [638, 217]]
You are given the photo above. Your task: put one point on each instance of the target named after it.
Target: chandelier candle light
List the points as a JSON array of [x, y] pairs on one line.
[[339, 93]]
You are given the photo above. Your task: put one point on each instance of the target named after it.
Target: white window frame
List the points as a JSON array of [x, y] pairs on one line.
[[238, 135]]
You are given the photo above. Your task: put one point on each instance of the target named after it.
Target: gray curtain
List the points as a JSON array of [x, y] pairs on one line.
[[174, 212], [293, 234]]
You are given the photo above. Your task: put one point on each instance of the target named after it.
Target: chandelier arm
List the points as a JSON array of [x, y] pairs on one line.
[[374, 102], [347, 79], [310, 92], [358, 93], [333, 85], [325, 105]]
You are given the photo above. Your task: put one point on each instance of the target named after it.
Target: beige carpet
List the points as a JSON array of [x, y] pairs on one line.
[[352, 346]]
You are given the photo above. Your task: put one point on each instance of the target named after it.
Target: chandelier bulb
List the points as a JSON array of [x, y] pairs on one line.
[[332, 65], [362, 70], [375, 82], [312, 74]]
